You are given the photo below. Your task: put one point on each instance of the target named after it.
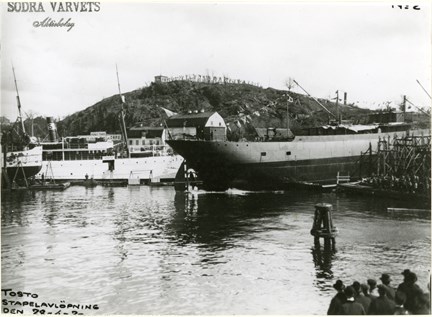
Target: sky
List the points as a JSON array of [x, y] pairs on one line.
[[371, 50]]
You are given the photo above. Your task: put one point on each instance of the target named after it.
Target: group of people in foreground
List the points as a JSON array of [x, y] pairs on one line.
[[372, 299]]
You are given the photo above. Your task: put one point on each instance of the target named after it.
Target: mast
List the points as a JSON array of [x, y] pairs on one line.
[[288, 119], [18, 102], [337, 106], [424, 89], [314, 99], [289, 99], [122, 116]]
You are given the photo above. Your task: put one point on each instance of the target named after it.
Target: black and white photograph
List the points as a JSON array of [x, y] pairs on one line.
[[216, 157]]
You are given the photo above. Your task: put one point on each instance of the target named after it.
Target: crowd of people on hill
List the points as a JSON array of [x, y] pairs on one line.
[[383, 299]]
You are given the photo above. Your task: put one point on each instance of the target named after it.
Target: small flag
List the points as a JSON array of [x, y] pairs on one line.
[[169, 113]]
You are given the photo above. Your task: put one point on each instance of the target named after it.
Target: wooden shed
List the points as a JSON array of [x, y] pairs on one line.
[[197, 125]]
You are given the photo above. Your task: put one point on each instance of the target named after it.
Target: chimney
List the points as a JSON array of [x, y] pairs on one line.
[[52, 130]]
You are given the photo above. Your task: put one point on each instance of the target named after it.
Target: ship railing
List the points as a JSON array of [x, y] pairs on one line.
[[342, 178], [155, 150]]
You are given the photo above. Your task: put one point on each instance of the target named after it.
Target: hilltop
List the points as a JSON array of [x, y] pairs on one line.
[[242, 105]]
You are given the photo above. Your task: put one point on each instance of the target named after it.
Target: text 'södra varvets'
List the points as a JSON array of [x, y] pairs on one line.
[[54, 7]]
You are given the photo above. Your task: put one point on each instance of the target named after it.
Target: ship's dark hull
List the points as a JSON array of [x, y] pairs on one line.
[[281, 165], [280, 175], [22, 164], [220, 169], [20, 173], [220, 174]]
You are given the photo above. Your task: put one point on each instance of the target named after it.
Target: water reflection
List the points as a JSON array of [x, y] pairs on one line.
[[212, 219], [322, 259], [144, 250]]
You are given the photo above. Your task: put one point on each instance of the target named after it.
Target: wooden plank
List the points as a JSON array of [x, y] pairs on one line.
[[407, 210]]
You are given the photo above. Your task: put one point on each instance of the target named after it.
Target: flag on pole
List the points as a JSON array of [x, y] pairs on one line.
[[169, 113]]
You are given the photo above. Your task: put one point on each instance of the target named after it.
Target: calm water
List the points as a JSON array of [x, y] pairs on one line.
[[145, 250]]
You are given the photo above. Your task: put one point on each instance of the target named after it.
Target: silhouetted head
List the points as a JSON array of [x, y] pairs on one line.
[[364, 288], [405, 273], [411, 277], [349, 292], [339, 285], [385, 279], [372, 283], [356, 286], [381, 290]]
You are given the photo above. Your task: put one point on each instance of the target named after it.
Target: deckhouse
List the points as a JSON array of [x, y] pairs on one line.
[[197, 125]]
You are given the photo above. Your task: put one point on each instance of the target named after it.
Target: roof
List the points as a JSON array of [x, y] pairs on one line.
[[150, 132], [189, 120]]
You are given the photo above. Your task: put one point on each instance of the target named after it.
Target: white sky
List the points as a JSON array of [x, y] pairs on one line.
[[370, 50]]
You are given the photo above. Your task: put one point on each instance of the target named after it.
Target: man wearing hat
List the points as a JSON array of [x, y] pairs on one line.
[[338, 300], [402, 286], [382, 305], [351, 307], [373, 291], [360, 297], [390, 292], [412, 291]]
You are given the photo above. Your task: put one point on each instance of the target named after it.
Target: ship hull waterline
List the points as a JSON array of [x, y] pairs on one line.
[[277, 165]]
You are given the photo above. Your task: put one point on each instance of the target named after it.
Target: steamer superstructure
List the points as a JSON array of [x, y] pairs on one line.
[[73, 158]]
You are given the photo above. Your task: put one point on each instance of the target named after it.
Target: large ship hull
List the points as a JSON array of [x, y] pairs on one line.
[[110, 168], [23, 164], [276, 165]]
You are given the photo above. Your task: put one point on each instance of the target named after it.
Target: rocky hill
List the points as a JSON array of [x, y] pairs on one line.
[[243, 106]]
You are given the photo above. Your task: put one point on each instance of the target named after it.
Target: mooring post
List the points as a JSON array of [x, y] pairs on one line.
[[323, 226], [186, 176]]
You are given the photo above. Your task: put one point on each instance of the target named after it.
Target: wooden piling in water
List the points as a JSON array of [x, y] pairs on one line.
[[323, 226]]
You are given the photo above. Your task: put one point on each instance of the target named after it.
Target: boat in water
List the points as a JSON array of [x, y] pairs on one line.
[[275, 164], [23, 164], [99, 157], [21, 154]]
